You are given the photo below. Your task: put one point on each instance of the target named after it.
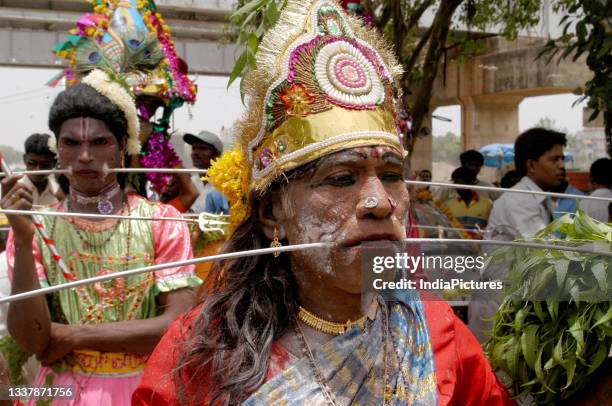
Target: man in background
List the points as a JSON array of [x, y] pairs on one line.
[[206, 147], [180, 192], [538, 156], [511, 178], [38, 156], [424, 176], [473, 160], [601, 184], [469, 207]]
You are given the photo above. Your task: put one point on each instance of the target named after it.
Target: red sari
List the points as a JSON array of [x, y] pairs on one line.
[[464, 376]]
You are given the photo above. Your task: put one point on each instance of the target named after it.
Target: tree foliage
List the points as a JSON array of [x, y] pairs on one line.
[[587, 30], [446, 148]]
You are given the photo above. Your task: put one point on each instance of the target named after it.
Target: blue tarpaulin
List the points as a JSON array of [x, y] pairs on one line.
[[500, 155]]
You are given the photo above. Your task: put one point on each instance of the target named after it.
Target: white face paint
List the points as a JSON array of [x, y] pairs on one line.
[[312, 229], [326, 207], [84, 129]]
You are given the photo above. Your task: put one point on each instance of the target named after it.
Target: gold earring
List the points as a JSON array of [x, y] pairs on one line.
[[276, 243]]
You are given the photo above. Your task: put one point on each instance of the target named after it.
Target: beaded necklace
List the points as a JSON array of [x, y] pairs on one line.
[[86, 244]]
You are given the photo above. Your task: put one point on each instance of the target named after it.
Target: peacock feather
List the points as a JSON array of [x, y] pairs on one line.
[[120, 54]]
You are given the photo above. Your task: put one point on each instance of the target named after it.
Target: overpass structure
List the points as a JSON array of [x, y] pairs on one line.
[[30, 28], [489, 87]]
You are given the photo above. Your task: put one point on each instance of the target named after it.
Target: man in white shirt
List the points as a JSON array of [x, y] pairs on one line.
[[38, 156], [601, 184], [473, 160], [538, 156], [205, 147]]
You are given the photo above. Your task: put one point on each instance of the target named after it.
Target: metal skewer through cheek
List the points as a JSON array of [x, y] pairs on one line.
[[153, 268], [93, 215], [107, 170], [287, 248]]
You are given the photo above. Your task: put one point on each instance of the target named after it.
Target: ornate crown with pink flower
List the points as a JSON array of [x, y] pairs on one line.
[[324, 82]]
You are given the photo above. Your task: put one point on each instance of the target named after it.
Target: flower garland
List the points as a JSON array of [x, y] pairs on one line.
[[154, 21], [52, 144], [231, 174], [159, 153]]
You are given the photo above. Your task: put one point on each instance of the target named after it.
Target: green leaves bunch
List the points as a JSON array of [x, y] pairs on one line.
[[551, 348]]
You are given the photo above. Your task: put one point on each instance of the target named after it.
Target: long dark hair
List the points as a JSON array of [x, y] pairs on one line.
[[253, 302]]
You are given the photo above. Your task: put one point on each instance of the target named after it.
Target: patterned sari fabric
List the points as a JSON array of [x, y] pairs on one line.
[[352, 366], [462, 373]]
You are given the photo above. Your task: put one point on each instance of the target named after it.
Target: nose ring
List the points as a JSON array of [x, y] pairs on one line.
[[370, 202]]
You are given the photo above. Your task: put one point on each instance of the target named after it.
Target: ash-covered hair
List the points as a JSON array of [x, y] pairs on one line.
[[253, 302], [84, 101]]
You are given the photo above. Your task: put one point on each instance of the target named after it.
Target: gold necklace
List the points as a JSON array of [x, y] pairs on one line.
[[328, 327], [329, 396]]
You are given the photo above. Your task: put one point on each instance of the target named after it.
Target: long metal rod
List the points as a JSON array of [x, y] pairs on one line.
[[113, 170], [502, 190], [158, 170], [92, 215], [409, 182], [471, 230], [264, 251], [153, 268]]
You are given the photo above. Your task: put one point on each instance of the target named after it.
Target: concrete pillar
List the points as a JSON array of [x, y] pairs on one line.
[[486, 120]]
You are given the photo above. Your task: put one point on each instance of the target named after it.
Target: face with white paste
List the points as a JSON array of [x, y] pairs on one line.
[[87, 146], [329, 205]]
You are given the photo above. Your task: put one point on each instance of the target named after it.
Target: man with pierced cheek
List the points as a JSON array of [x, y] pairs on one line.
[[95, 338], [318, 159]]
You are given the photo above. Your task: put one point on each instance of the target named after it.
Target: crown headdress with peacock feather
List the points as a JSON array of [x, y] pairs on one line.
[[129, 38]]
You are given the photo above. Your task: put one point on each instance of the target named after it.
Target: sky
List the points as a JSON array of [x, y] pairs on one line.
[[25, 101], [558, 107]]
